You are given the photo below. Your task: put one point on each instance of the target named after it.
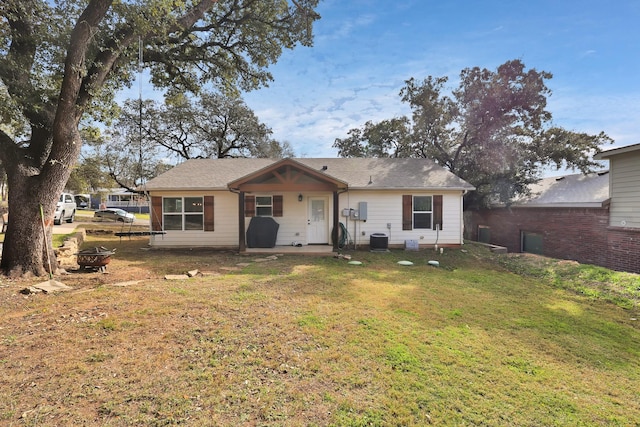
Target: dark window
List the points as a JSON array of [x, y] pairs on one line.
[[422, 211], [264, 206]]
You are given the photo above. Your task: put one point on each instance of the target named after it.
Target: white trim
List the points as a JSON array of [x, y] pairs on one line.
[[604, 155]]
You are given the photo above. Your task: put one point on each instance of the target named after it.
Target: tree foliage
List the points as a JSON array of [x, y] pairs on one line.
[[149, 136], [210, 126], [493, 130], [62, 61]]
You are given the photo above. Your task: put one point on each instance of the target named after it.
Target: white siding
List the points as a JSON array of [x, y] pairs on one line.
[[293, 221], [385, 207], [625, 190], [225, 234]]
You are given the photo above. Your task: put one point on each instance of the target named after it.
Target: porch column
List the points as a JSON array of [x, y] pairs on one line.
[[336, 221], [241, 240]]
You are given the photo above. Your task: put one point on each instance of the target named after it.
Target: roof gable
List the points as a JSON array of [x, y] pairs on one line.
[[287, 175]]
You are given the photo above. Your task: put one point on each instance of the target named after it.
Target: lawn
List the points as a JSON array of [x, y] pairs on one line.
[[481, 340]]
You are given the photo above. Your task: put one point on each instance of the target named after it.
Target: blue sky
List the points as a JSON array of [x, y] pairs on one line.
[[365, 50]]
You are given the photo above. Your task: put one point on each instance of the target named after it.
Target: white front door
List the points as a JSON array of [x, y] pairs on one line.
[[318, 221]]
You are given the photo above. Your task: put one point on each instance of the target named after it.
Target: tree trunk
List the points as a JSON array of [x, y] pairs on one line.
[[24, 250]]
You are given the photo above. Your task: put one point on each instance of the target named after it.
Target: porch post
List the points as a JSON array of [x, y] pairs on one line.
[[336, 221], [241, 240]]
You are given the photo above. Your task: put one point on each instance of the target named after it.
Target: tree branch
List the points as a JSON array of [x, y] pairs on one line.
[[76, 57], [105, 61], [15, 69]]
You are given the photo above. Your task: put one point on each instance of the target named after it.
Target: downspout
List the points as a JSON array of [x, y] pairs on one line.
[[462, 217], [336, 218]]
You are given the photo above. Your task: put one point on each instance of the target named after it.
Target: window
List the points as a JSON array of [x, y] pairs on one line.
[[264, 206], [183, 213], [422, 210]]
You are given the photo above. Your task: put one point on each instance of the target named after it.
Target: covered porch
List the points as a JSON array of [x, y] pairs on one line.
[[282, 185]]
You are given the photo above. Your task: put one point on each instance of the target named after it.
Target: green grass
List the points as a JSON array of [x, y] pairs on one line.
[[595, 282], [57, 239], [316, 341]]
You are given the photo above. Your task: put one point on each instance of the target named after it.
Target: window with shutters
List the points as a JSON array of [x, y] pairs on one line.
[[422, 211], [183, 213], [264, 206]]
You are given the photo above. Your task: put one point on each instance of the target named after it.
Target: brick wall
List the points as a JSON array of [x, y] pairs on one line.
[[580, 234], [624, 249]]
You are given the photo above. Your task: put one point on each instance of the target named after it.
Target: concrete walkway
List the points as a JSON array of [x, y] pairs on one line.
[[65, 228]]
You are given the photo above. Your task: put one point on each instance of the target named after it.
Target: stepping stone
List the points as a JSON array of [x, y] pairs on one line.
[[176, 277], [124, 284]]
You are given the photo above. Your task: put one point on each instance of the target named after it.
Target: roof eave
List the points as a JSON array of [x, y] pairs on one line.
[[156, 189], [370, 187], [604, 155], [560, 205]]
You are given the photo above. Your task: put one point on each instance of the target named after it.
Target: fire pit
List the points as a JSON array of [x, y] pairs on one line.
[[95, 258]]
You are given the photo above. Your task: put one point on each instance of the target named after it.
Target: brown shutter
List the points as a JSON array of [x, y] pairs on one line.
[[156, 213], [407, 212], [250, 206], [208, 213], [437, 211], [277, 205]]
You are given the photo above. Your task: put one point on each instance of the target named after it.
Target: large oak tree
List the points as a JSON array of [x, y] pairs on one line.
[[493, 130], [212, 125], [62, 61]]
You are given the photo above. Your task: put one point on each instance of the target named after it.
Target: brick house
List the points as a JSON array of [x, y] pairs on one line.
[[592, 219]]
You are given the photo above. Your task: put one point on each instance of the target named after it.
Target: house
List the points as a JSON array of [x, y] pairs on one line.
[[564, 217], [592, 219], [624, 185], [237, 202], [623, 233], [119, 198]]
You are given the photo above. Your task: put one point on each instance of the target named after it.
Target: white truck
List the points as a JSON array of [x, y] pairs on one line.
[[65, 209]]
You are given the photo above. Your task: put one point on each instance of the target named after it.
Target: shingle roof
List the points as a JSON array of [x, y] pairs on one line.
[[205, 174], [360, 173], [576, 190]]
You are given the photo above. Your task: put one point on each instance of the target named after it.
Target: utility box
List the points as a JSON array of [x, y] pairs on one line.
[[362, 211], [411, 245]]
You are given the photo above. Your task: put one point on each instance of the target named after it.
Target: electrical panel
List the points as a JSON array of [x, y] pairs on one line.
[[362, 211], [356, 214]]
